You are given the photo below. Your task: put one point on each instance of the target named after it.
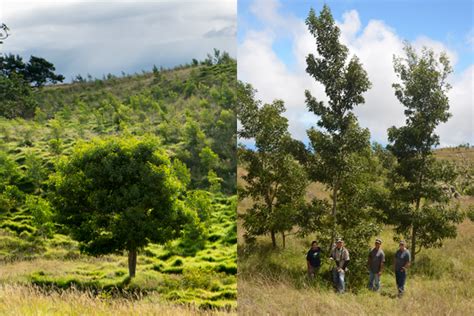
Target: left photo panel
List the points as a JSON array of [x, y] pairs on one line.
[[118, 157]]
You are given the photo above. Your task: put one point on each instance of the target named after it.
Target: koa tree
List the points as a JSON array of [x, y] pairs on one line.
[[421, 208], [275, 180], [119, 194]]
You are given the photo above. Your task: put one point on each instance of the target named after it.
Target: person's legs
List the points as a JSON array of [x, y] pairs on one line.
[[371, 280], [335, 278], [401, 277], [376, 281], [342, 285], [311, 271]]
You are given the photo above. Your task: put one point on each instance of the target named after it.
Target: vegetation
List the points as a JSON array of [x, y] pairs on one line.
[[120, 194], [37, 72], [275, 180], [21, 300], [420, 203], [142, 163], [358, 190], [269, 279]]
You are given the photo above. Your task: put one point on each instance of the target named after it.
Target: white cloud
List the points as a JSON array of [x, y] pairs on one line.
[[99, 37], [375, 44], [460, 127]]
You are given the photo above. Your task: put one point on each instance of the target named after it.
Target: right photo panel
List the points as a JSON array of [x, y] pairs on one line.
[[355, 171]]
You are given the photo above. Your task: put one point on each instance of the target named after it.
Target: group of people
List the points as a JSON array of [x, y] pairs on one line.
[[375, 264]]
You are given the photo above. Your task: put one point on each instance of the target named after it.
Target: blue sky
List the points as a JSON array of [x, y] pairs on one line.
[[451, 22], [274, 30]]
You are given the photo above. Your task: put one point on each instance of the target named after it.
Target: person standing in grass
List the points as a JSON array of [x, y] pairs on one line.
[[402, 262], [375, 264], [341, 256], [313, 259]]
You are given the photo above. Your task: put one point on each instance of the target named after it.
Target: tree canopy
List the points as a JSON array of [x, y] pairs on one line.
[[339, 140], [276, 181], [38, 71], [420, 203], [119, 194]]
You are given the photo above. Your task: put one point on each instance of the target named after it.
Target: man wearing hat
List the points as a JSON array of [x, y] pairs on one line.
[[375, 265], [402, 262], [341, 256]]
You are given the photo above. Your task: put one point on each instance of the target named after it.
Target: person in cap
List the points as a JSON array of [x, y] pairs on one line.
[[313, 259], [341, 256], [375, 264], [402, 262]]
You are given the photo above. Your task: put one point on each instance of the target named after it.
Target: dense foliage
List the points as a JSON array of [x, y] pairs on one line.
[[275, 180], [418, 182]]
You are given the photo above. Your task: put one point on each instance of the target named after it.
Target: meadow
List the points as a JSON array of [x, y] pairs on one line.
[[189, 111], [274, 282]]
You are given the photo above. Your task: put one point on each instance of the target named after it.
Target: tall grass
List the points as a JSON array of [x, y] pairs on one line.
[[440, 283], [29, 300]]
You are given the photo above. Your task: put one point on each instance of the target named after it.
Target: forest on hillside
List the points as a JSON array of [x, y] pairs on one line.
[[120, 185]]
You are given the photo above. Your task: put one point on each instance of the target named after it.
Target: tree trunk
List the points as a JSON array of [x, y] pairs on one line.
[[413, 241], [334, 211], [283, 239], [132, 262], [274, 243], [413, 233]]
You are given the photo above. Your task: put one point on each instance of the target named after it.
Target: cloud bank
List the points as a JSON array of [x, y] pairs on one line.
[[100, 37]]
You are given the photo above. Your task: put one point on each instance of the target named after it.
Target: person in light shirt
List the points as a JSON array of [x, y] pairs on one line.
[[341, 256]]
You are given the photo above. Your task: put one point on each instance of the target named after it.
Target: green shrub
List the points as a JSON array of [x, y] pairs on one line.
[[17, 227], [177, 263], [228, 268], [196, 278]]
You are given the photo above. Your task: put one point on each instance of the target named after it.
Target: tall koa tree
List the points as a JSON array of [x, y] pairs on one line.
[[421, 207], [118, 195], [275, 180], [339, 144]]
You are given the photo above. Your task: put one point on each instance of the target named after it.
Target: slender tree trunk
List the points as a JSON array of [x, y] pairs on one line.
[[283, 239], [132, 262], [334, 212], [413, 241], [413, 232], [274, 243]]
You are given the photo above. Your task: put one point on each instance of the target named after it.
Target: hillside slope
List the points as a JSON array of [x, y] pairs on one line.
[[190, 110]]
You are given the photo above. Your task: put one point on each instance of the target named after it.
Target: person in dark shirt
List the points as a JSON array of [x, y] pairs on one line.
[[313, 259], [375, 264], [402, 262]]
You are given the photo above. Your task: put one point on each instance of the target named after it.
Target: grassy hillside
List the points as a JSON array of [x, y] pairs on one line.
[[441, 283], [190, 110]]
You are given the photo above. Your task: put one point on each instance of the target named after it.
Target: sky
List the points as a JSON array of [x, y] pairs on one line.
[[111, 36], [273, 42]]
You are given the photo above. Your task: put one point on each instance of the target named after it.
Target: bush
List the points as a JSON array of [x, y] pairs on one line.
[[196, 278], [228, 268]]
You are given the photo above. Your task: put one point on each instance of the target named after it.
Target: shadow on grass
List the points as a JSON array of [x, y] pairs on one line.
[[120, 289]]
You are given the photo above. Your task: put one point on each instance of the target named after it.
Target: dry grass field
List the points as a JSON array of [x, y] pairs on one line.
[[27, 300]]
